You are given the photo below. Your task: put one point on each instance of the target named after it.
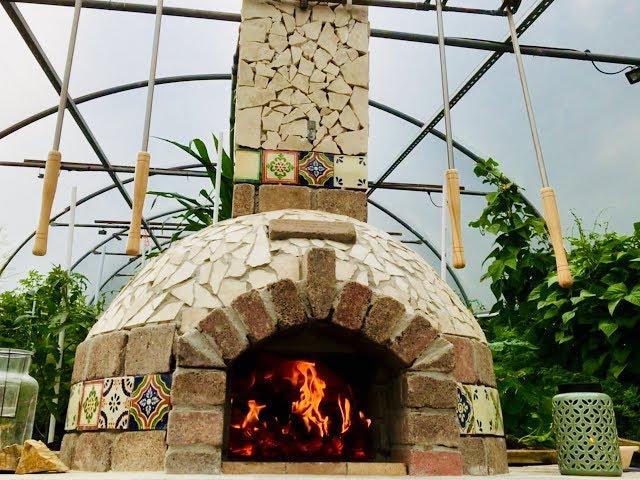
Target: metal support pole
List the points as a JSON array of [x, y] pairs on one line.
[[144, 159], [52, 169], [216, 199], [550, 207]]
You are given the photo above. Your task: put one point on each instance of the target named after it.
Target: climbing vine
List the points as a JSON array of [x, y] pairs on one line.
[[542, 335]]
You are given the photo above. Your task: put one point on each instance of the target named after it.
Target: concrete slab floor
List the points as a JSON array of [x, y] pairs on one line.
[[538, 472]]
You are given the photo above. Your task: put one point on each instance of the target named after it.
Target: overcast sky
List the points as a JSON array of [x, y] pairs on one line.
[[589, 122]]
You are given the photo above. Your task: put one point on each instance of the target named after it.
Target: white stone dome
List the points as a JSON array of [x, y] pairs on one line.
[[212, 267]]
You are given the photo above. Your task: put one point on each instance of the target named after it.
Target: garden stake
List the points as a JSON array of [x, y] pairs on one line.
[[54, 158], [216, 200], [141, 176], [551, 216], [452, 179]]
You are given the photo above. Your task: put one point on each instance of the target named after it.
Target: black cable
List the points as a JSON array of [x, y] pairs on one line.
[[434, 203], [628, 67]]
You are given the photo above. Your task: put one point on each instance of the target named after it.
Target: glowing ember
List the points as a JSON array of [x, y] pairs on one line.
[[295, 409]]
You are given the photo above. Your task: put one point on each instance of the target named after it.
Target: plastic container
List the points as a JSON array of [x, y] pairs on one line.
[[586, 436], [18, 396]]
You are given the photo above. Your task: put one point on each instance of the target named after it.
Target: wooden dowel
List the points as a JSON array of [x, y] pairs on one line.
[[141, 179], [552, 218], [51, 174], [453, 201]]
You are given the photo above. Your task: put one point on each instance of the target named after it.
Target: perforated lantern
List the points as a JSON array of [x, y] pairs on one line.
[[586, 436]]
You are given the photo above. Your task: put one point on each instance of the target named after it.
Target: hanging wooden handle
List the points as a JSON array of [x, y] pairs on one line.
[[141, 179], [555, 232], [51, 174], [453, 200]]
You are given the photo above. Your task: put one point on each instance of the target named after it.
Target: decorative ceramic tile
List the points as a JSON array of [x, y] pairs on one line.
[[486, 415], [464, 409], [89, 411], [279, 166], [247, 165], [75, 395], [350, 171], [150, 402], [114, 408], [316, 169]]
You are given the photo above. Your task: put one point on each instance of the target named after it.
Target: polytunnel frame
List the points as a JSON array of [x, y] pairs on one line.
[[499, 48]]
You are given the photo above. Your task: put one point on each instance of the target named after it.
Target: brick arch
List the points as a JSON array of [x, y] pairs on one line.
[[426, 435], [226, 332]]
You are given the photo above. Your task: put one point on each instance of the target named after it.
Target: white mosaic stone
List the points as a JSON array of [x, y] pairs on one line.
[[376, 259], [204, 299], [261, 278], [218, 272]]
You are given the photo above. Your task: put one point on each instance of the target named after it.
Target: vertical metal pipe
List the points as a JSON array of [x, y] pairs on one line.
[[69, 261], [67, 75], [103, 254], [216, 199], [445, 85], [152, 77], [527, 100]]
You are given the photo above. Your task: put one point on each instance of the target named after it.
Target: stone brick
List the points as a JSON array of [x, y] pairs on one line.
[[438, 357], [316, 468], [255, 468], [280, 197], [383, 316], [413, 340], [427, 390], [352, 203], [483, 363], [225, 333], [474, 460], [287, 303], [150, 349], [194, 349], [243, 199], [105, 356], [431, 462], [351, 306], [496, 451], [194, 459], [189, 427], [93, 452], [416, 427], [376, 468], [80, 362], [68, 447], [198, 388], [139, 451], [255, 316], [282, 229], [464, 370], [319, 268]]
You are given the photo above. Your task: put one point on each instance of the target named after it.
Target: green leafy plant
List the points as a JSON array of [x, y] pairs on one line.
[[198, 212], [543, 335], [31, 317]]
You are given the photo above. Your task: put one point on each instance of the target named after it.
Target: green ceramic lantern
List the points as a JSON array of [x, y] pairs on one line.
[[586, 434]]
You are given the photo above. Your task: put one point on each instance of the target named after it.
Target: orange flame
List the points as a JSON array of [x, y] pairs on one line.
[[299, 409], [311, 395], [252, 416], [345, 410]]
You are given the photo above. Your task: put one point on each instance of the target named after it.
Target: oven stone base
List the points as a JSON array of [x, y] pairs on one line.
[[315, 468]]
